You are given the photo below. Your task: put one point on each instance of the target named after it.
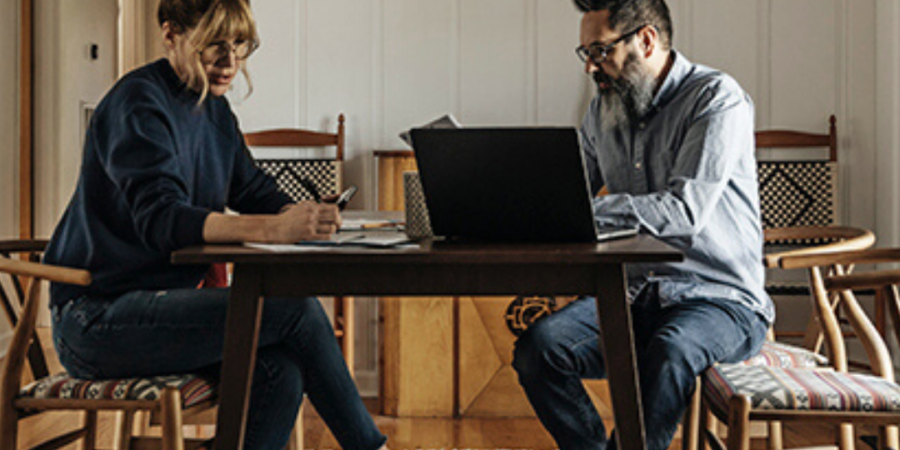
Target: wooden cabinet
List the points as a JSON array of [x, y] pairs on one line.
[[417, 360]]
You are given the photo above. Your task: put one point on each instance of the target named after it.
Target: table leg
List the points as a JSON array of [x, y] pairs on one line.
[[239, 356], [618, 347]]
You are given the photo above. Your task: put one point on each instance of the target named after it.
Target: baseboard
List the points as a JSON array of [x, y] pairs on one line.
[[367, 383]]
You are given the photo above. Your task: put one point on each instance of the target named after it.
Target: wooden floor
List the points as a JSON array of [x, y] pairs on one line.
[[420, 433], [406, 433]]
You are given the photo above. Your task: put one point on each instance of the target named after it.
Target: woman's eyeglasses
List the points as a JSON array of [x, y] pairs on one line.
[[216, 51]]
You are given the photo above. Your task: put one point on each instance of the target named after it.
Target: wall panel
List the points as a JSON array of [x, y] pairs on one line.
[[9, 124], [494, 66], [805, 61], [420, 54], [564, 90], [277, 69], [723, 26]]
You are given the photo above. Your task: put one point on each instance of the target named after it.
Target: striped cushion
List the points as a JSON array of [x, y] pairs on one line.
[[194, 389], [800, 389], [776, 354]]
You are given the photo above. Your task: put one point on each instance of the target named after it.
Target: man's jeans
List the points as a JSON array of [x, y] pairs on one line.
[[674, 345], [169, 332]]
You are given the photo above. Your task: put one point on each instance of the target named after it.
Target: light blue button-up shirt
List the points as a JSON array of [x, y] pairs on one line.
[[686, 173]]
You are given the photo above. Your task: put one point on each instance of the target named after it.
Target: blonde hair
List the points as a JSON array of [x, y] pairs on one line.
[[209, 21]]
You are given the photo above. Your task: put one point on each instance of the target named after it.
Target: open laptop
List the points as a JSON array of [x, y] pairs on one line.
[[507, 184]]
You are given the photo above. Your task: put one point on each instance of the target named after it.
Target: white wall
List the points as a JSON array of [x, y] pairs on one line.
[[9, 123], [67, 80], [9, 126]]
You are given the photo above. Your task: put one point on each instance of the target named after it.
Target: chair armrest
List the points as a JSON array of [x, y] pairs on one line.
[[868, 280], [55, 274], [871, 256], [23, 246], [850, 239]]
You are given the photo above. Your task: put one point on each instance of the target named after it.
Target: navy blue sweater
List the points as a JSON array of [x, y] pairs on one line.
[[155, 165]]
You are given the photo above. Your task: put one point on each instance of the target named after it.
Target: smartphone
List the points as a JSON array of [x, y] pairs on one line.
[[345, 197]]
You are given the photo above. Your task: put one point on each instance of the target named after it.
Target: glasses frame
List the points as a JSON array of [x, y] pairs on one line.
[[584, 53], [230, 48]]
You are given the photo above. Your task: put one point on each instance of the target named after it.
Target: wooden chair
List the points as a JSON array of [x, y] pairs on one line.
[[775, 354], [797, 191], [171, 401], [736, 395], [326, 173], [171, 397]]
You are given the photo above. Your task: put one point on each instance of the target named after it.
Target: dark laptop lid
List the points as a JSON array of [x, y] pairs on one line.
[[507, 184]]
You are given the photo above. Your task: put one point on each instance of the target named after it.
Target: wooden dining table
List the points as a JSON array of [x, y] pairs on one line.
[[431, 268]]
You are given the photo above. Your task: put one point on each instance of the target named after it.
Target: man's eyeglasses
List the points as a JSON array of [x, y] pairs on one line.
[[218, 50], [597, 53]]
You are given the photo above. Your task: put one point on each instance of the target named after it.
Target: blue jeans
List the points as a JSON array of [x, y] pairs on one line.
[[147, 333], [673, 344]]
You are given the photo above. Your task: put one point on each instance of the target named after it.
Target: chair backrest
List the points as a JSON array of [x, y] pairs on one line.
[[12, 297], [324, 172], [24, 315], [840, 239], [834, 288], [799, 192]]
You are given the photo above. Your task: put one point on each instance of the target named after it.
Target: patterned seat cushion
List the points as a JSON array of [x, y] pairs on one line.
[[777, 388], [194, 389], [776, 354]]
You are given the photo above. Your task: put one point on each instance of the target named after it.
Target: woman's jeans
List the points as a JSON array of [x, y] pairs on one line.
[[147, 333], [673, 344]]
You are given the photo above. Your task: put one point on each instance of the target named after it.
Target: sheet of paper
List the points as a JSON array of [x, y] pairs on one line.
[[283, 248], [363, 224]]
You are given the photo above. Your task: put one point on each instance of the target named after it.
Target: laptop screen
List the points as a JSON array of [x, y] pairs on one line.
[[507, 184]]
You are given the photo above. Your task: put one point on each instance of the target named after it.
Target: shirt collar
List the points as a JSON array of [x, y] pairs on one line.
[[681, 69]]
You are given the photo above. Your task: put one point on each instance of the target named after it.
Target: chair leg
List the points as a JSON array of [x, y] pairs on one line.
[[846, 437], [708, 425], [9, 426], [347, 344], [172, 433], [739, 423], [690, 425], [776, 436], [296, 440], [888, 438], [90, 425], [124, 426]]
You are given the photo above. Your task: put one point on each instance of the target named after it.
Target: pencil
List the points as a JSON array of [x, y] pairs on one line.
[[368, 226]]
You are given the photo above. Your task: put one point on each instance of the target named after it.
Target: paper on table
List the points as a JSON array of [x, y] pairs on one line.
[[363, 224], [283, 248]]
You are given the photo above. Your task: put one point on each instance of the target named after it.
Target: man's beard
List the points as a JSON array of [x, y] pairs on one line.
[[628, 97]]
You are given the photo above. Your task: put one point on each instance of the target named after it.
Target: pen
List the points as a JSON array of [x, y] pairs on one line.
[[368, 226], [311, 188]]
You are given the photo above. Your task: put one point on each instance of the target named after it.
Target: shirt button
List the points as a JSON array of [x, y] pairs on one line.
[[637, 166], [642, 125]]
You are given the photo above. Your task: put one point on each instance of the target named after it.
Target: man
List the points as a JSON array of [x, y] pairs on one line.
[[673, 144]]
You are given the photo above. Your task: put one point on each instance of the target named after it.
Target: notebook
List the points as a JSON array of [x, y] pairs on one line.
[[507, 184]]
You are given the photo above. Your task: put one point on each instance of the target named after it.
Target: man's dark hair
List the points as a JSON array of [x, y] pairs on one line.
[[626, 15]]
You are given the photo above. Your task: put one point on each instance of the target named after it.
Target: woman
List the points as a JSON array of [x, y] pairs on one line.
[[162, 159]]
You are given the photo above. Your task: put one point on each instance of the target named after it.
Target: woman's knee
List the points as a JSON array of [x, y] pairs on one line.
[[278, 373], [307, 313]]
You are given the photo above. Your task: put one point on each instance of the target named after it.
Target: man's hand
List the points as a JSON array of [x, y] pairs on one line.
[[306, 221]]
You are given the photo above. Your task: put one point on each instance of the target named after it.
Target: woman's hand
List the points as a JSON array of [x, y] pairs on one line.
[[306, 221]]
